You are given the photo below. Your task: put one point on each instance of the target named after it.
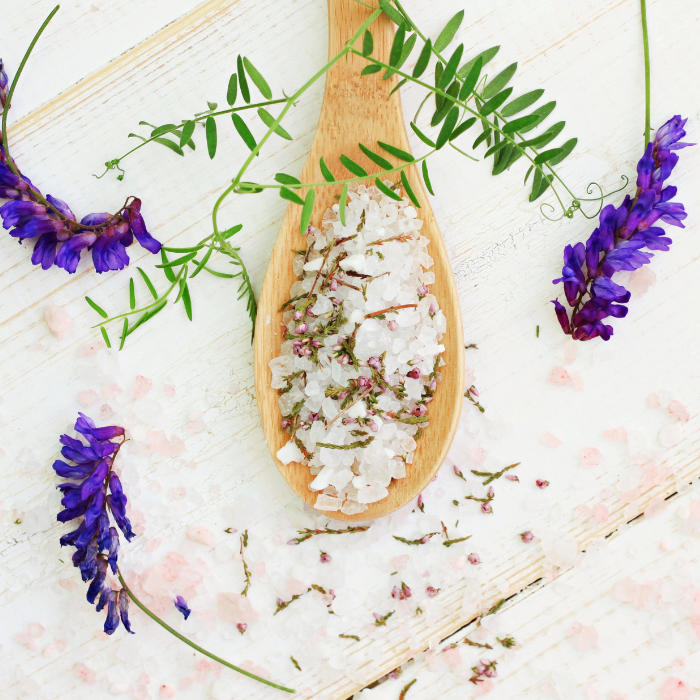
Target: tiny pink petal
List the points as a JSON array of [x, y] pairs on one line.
[[142, 385], [616, 434]]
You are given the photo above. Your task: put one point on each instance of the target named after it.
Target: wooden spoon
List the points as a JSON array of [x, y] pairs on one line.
[[357, 110]]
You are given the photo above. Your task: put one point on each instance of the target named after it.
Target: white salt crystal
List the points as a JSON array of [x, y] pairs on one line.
[[289, 453], [371, 494], [324, 502], [58, 320], [314, 265]]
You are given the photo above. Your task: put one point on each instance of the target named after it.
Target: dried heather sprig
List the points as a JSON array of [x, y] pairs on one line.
[[618, 243]]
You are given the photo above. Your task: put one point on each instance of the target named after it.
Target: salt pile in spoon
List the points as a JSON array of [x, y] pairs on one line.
[[360, 361]]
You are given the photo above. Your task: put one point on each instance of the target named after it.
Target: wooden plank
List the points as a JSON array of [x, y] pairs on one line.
[[504, 257]]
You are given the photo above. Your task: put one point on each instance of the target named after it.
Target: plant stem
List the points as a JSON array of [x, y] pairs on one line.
[[167, 627], [8, 102], [647, 76]]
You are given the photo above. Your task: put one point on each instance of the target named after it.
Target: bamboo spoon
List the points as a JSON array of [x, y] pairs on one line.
[[358, 110]]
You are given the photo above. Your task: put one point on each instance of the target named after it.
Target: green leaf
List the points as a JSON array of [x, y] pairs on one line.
[[441, 113], [451, 67], [397, 46], [439, 99], [502, 159], [544, 138], [243, 131], [166, 268], [394, 15], [125, 332], [232, 91], [466, 124], [212, 106], [269, 120], [448, 33], [200, 265], [426, 178], [285, 179], [169, 144], [291, 196], [527, 174], [409, 190], [97, 308], [249, 188], [137, 136], [542, 112], [342, 203], [187, 131], [307, 211], [372, 68], [352, 166], [242, 80], [540, 185], [423, 60], [105, 336], [485, 57], [257, 78], [187, 301], [519, 124], [493, 87], [565, 150], [481, 138], [231, 231], [387, 190], [177, 262], [165, 129], [396, 152], [376, 158], [547, 155], [148, 282], [326, 172], [521, 103], [405, 53], [447, 127], [495, 148], [398, 86], [367, 43], [210, 129], [422, 136], [495, 102], [471, 80], [132, 294]]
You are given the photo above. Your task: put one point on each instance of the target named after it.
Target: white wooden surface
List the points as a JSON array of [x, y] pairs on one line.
[[95, 74]]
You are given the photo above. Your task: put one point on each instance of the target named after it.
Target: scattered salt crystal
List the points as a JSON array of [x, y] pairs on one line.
[[82, 672], [166, 692], [679, 411], [657, 506], [551, 440], [641, 280], [653, 400], [671, 434], [200, 535], [601, 513], [235, 608], [195, 426], [570, 351], [674, 689], [590, 457], [325, 502], [142, 385], [58, 321], [87, 398], [559, 377], [112, 391], [615, 435], [558, 546]]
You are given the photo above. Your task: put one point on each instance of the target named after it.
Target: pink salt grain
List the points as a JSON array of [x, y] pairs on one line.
[[588, 639], [551, 440], [87, 398], [168, 389], [616, 435], [153, 544], [657, 506], [641, 280], [582, 512], [195, 426], [142, 385], [600, 513], [167, 692], [294, 586], [695, 624], [559, 377], [399, 563], [90, 348], [483, 688], [570, 352], [674, 689], [577, 381], [679, 411], [200, 535], [67, 584], [177, 494], [58, 321], [574, 628], [82, 672], [260, 568], [617, 695], [235, 608], [112, 391], [653, 400], [452, 656]]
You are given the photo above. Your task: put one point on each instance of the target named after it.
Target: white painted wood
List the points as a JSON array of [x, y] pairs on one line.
[[588, 57], [624, 619]]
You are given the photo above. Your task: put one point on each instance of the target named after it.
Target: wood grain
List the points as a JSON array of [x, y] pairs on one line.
[[356, 110]]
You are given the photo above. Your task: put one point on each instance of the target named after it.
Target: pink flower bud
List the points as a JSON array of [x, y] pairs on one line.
[[242, 627], [333, 285], [527, 536], [392, 325], [292, 542], [396, 592], [419, 410], [286, 424], [414, 373], [301, 328], [431, 592], [491, 492], [541, 483], [433, 385], [373, 426], [313, 417], [375, 363], [336, 301], [474, 559], [420, 500], [425, 539], [306, 351], [473, 391], [433, 309], [344, 360], [309, 312], [423, 291], [512, 477], [325, 558], [486, 508], [458, 471], [377, 616], [298, 315], [316, 344], [364, 383]]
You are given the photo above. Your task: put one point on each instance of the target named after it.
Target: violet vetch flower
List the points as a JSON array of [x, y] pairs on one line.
[[181, 605], [622, 241], [60, 238], [95, 493]]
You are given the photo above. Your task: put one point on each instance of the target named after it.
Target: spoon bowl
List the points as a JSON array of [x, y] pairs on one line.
[[357, 110]]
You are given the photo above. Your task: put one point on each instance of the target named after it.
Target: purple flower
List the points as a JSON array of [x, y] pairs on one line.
[[181, 605], [93, 495], [61, 239], [622, 241]]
